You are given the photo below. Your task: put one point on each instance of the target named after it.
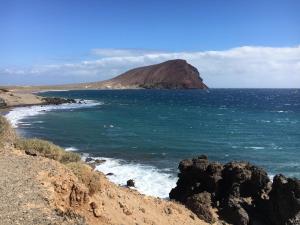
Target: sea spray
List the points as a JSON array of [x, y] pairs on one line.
[[149, 180]]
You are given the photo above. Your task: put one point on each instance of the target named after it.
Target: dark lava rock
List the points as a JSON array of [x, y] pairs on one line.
[[100, 161], [95, 163], [234, 213], [89, 159], [57, 101], [109, 174], [200, 204], [130, 183], [283, 206], [31, 152], [242, 192]]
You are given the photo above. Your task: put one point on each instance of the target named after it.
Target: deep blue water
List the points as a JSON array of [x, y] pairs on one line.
[[162, 127]]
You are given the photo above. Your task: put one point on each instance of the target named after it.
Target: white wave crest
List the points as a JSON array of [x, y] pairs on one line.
[[71, 149], [148, 179], [17, 114]]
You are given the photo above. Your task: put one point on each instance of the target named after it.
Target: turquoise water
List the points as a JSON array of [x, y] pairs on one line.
[[158, 128]]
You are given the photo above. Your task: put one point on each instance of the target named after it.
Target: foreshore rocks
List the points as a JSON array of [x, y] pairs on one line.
[[57, 101], [94, 162], [242, 193]]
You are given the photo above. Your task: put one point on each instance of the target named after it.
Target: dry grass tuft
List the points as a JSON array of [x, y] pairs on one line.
[[68, 157], [47, 149], [7, 133], [87, 176]]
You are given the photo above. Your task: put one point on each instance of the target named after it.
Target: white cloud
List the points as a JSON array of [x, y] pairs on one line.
[[238, 67], [113, 52]]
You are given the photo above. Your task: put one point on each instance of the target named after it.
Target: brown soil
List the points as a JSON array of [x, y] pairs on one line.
[[37, 190]]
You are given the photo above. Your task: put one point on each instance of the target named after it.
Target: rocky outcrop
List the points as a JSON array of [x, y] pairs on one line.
[[283, 204], [172, 74], [57, 101], [242, 192]]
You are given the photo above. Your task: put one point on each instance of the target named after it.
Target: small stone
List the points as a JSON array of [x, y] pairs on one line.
[[31, 152], [97, 212], [93, 205], [142, 210], [127, 212], [168, 210], [88, 159]]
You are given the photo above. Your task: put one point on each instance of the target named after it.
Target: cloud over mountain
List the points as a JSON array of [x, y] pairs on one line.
[[237, 67]]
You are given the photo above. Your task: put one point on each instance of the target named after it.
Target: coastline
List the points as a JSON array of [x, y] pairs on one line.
[[114, 204], [207, 205], [144, 175]]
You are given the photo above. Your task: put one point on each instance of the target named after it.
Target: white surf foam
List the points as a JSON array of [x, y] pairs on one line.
[[71, 149], [148, 179], [17, 114], [55, 90]]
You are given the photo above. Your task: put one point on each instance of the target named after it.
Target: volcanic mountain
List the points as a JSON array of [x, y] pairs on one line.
[[172, 74]]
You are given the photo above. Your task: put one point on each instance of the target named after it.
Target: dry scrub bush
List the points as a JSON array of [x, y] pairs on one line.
[[68, 157], [87, 176], [7, 133], [47, 149]]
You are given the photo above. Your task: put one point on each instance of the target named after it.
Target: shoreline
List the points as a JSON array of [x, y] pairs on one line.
[[187, 163], [138, 172], [42, 191]]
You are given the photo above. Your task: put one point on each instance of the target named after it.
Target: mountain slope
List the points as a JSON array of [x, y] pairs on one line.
[[172, 74]]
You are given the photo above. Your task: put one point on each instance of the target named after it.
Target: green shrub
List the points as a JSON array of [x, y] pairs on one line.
[[86, 175]]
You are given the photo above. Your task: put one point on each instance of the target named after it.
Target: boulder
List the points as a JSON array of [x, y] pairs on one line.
[[130, 183], [234, 213], [283, 206], [234, 188], [200, 204]]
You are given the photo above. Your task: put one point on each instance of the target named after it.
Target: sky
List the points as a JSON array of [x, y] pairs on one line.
[[233, 43]]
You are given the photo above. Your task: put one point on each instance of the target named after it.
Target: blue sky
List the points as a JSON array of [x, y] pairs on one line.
[[52, 34]]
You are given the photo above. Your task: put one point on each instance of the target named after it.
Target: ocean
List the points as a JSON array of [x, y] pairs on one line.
[[143, 134]]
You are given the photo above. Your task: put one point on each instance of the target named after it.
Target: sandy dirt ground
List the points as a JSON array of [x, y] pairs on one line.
[[37, 190]]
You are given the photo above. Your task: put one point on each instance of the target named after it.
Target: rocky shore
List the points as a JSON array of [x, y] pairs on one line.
[[10, 99], [41, 184], [242, 193]]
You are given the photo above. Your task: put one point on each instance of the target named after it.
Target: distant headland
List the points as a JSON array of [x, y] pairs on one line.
[[172, 74]]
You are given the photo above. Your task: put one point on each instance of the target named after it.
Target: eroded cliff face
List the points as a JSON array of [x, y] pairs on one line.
[[172, 74]]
